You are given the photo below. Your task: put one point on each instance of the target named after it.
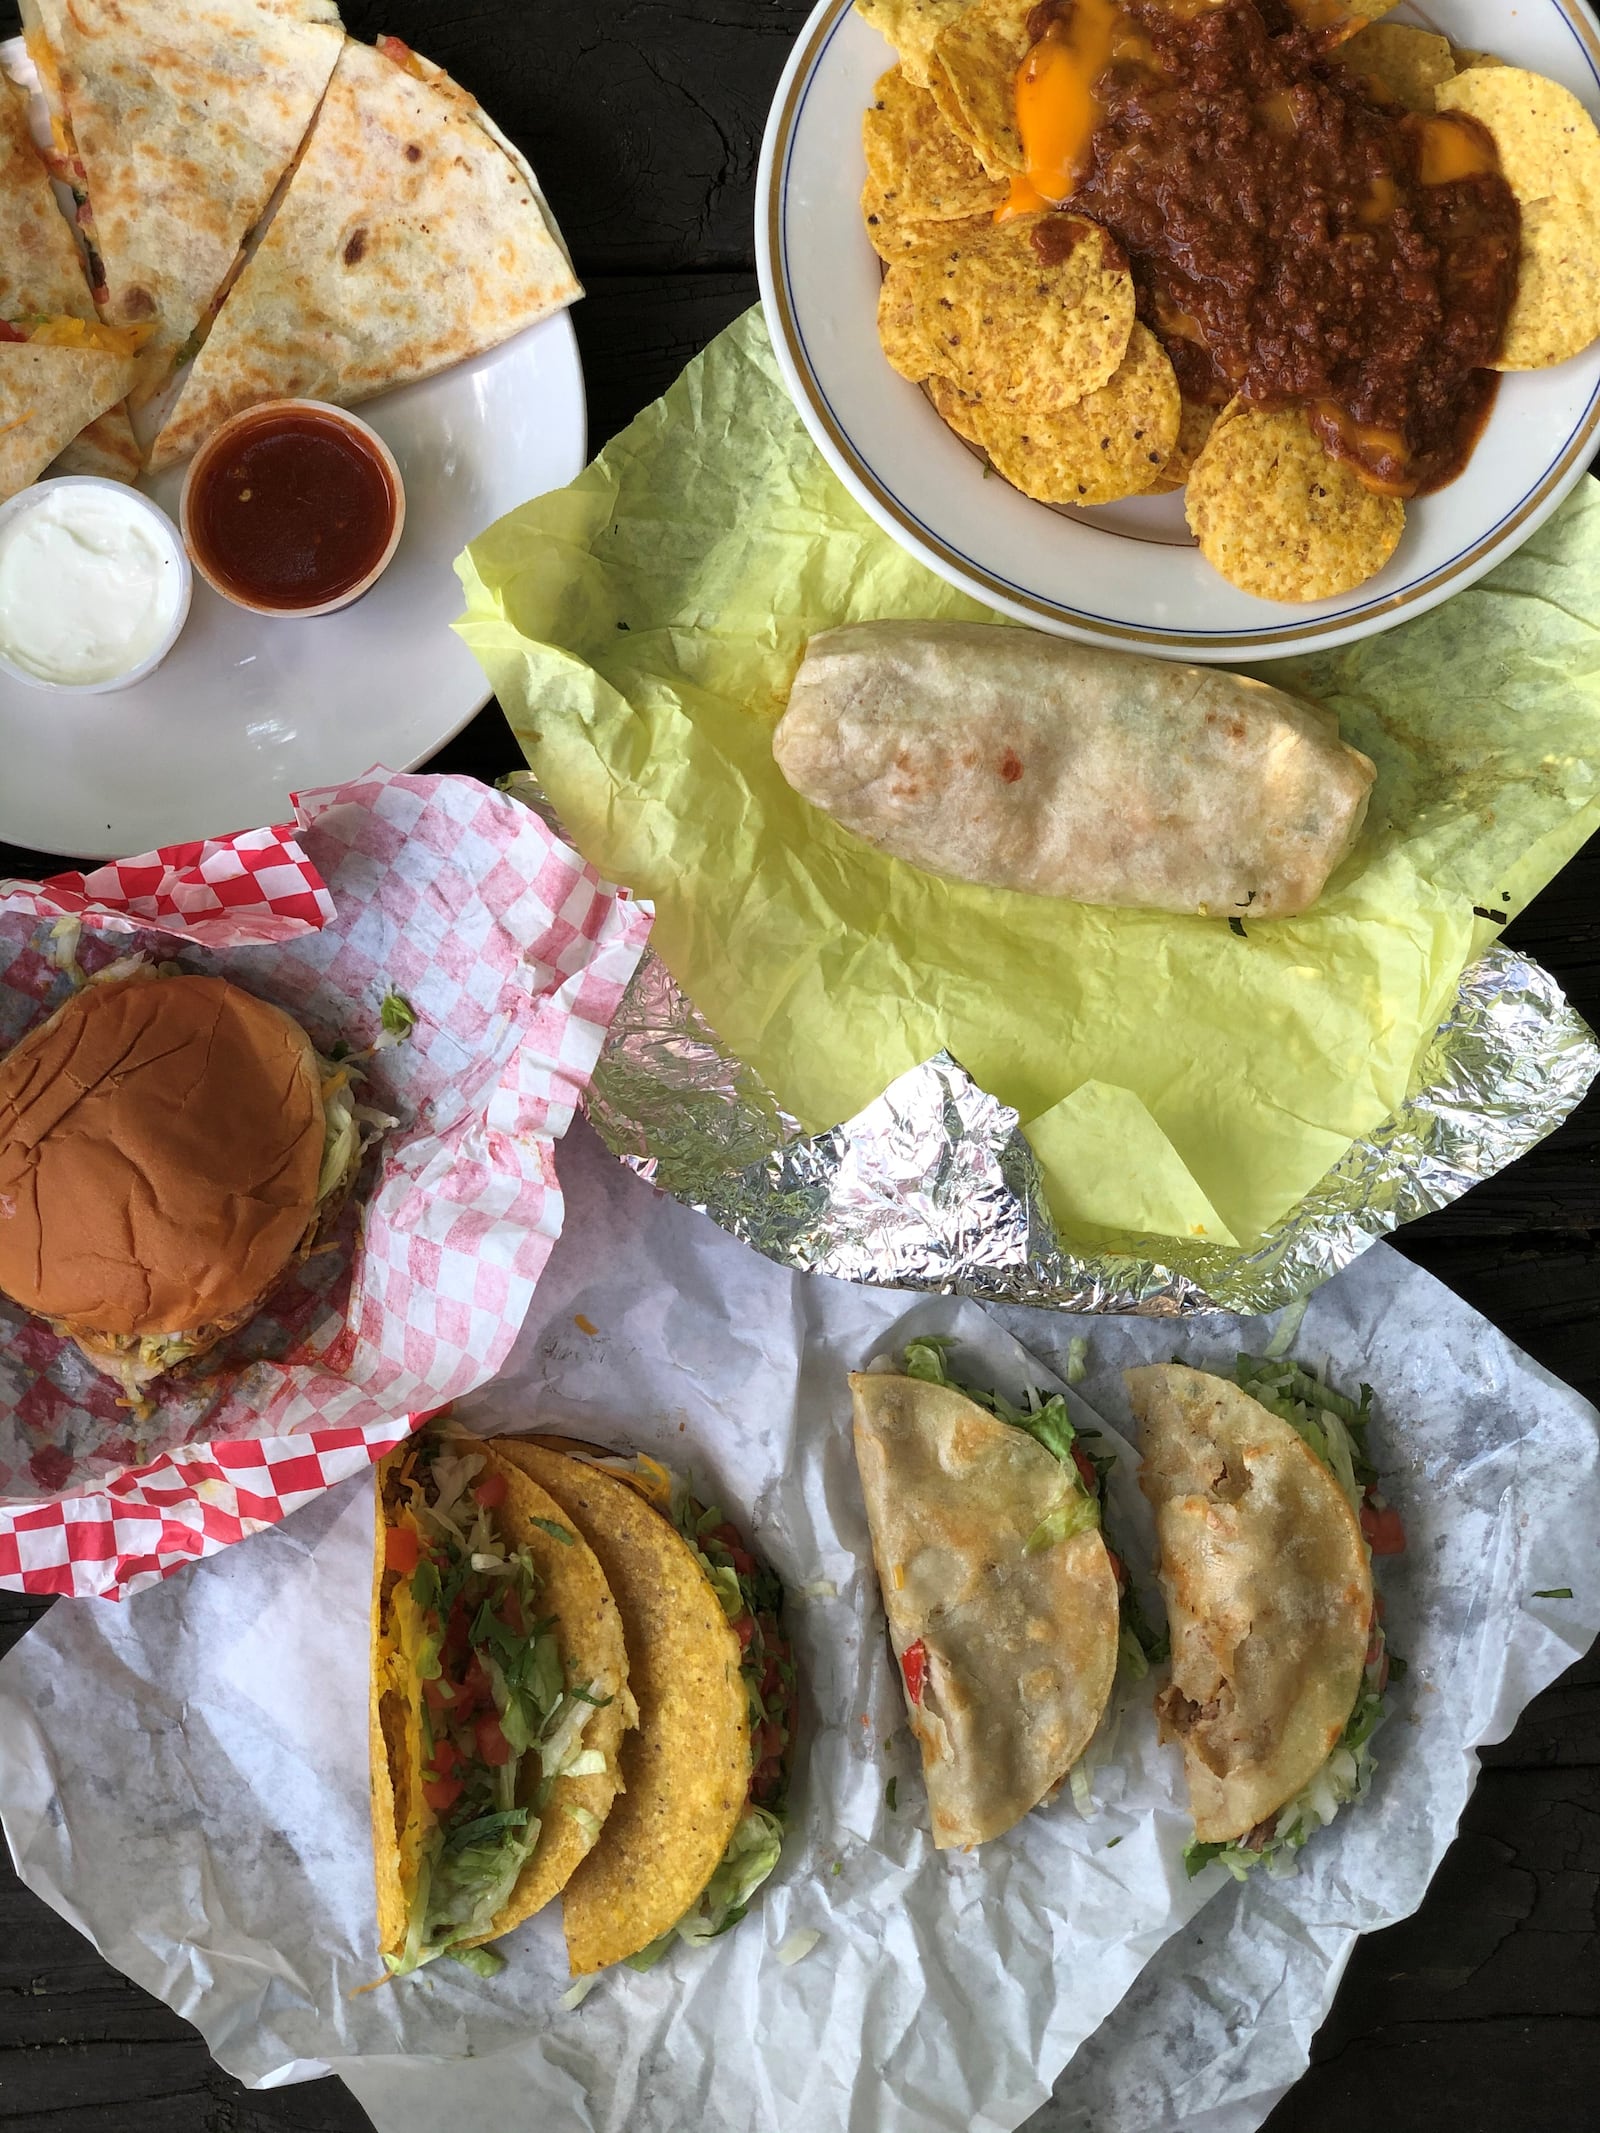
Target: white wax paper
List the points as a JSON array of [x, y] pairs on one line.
[[185, 1777]]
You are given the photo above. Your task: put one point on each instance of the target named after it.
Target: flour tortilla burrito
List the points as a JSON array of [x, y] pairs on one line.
[[42, 276], [1009, 758], [178, 119], [498, 1705], [699, 1824], [1269, 1598], [408, 240], [1000, 1593]]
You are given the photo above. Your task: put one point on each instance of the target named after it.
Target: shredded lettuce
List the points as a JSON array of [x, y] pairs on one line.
[[751, 1855]]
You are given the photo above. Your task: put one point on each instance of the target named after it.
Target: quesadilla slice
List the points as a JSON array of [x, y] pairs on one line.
[[499, 1700], [700, 1823], [175, 120], [42, 276], [1001, 1594], [1278, 1658], [407, 240], [49, 394]]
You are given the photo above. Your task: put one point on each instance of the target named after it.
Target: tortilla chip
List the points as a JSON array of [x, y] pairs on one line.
[[1466, 58], [687, 1768], [1268, 1591], [1112, 443], [1195, 424], [1405, 64], [1277, 516], [589, 1632], [973, 77], [955, 410], [893, 237], [924, 172], [1550, 152], [1006, 327], [408, 240], [899, 328], [48, 395], [911, 26], [1019, 1639]]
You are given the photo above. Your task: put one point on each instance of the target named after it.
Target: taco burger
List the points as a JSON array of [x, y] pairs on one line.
[[699, 1824], [1266, 1517], [499, 1700], [169, 1149]]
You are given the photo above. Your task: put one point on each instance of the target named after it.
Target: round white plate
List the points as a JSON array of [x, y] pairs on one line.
[[1127, 574]]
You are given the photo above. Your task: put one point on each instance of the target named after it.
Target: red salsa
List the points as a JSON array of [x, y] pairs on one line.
[[1294, 237], [296, 511]]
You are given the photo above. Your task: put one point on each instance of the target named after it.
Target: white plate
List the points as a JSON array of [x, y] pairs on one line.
[[1129, 573], [244, 710]]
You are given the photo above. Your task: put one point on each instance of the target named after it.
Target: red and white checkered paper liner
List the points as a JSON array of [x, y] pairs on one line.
[[514, 955]]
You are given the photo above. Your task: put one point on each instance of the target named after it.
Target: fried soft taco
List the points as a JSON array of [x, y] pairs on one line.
[[1278, 1657], [409, 238], [499, 1700], [1017, 760], [1001, 1593], [699, 1825]]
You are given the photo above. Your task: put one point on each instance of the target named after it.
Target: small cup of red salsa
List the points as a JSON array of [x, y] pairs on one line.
[[292, 508]]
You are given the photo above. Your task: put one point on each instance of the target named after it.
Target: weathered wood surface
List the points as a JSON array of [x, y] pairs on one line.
[[1481, 2013]]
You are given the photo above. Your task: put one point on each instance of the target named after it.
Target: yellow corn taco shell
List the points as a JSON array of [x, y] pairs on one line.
[[687, 1768], [590, 1634]]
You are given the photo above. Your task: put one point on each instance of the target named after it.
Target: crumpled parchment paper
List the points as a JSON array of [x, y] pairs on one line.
[[186, 1778]]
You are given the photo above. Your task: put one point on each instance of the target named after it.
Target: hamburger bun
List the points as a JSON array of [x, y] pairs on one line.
[[160, 1146]]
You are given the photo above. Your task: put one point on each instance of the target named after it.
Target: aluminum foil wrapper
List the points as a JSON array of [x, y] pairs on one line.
[[933, 1186]]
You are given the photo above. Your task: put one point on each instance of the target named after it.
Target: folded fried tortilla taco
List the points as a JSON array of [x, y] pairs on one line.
[[409, 238], [700, 1823], [42, 276], [1020, 761], [499, 1700], [1003, 1598], [1266, 1511], [175, 121]]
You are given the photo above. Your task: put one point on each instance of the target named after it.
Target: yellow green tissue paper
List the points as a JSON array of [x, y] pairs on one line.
[[641, 629]]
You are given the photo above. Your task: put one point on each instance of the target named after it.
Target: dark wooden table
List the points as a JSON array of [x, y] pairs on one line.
[[1479, 2014]]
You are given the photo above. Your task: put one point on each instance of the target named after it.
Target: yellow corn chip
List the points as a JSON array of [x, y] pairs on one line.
[[1113, 442], [973, 76], [1195, 424], [924, 172], [1406, 64], [911, 26]]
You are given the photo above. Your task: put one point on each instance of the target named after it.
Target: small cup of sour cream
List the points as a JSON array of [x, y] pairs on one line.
[[94, 585]]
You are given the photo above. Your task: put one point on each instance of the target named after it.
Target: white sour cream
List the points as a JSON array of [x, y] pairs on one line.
[[92, 580]]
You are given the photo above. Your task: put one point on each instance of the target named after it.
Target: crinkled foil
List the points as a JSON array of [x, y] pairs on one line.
[[933, 1186]]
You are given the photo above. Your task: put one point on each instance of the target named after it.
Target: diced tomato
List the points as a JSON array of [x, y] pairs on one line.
[[493, 1747], [744, 1629], [510, 1610], [1383, 1672], [1086, 1472], [914, 1666], [764, 1780], [1117, 1569], [771, 1681], [490, 1491], [476, 1689], [743, 1561], [442, 1794], [402, 1550], [457, 1632], [446, 1756], [1374, 1642], [1380, 1523], [440, 1698], [768, 1743]]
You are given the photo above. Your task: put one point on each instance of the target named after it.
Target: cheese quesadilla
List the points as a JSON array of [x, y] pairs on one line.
[[42, 276], [48, 396], [699, 1825], [1001, 1594], [499, 1700], [1278, 1660], [177, 119], [407, 240]]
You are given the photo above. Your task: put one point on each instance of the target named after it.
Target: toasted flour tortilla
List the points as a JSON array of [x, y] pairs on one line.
[[1021, 1648], [41, 275], [408, 240], [1268, 1591], [185, 114], [1009, 758], [589, 1631], [48, 396], [686, 1769]]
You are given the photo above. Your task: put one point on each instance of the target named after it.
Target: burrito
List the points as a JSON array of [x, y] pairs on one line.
[[1267, 1515], [1001, 1593], [499, 1701], [700, 1823], [1020, 761]]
